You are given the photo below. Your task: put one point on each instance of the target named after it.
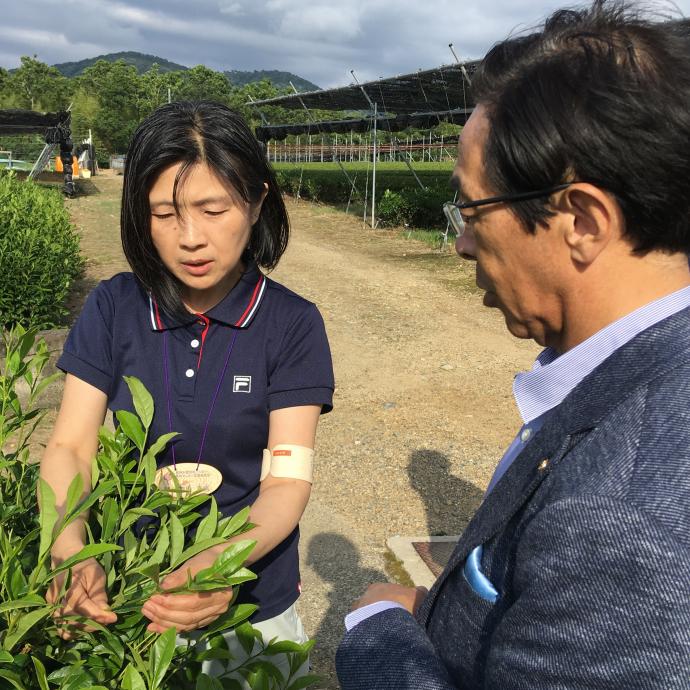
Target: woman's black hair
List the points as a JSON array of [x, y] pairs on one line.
[[600, 95], [191, 132]]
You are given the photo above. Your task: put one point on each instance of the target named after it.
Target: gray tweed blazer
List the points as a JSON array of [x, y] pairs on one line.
[[586, 538]]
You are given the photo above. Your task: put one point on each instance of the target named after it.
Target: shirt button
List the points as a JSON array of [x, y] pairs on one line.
[[194, 343], [189, 373], [524, 436]]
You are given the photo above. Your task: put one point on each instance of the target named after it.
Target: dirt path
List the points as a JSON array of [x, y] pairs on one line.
[[423, 404]]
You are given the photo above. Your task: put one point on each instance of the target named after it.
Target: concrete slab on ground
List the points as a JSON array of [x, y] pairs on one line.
[[422, 558]]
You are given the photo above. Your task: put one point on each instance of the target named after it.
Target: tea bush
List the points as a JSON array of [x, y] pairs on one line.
[[400, 199], [123, 655], [39, 254]]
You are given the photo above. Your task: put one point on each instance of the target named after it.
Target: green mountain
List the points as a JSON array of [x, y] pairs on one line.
[[277, 78], [144, 62], [141, 61]]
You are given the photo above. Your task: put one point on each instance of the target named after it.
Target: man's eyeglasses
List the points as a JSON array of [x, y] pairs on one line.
[[453, 209]]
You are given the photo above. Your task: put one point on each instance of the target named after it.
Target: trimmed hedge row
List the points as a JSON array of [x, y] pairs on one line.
[[400, 201], [39, 254]]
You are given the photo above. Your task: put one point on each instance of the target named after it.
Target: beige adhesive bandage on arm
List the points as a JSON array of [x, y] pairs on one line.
[[289, 461]]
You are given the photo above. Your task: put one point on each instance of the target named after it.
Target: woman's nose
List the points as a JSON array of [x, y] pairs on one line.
[[465, 245], [191, 235]]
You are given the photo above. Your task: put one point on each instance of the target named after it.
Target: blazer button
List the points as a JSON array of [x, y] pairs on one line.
[[543, 464]]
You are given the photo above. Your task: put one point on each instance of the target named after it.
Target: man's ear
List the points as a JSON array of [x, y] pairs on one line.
[[594, 219]]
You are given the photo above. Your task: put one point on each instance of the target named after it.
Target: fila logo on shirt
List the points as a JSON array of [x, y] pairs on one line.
[[242, 384]]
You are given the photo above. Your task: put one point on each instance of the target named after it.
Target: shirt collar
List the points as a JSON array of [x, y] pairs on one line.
[[554, 376], [237, 309]]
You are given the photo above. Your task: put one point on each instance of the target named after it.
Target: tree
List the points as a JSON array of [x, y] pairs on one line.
[[36, 86], [202, 83]]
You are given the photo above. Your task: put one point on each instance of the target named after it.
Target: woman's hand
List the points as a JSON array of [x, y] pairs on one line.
[[86, 597], [191, 610]]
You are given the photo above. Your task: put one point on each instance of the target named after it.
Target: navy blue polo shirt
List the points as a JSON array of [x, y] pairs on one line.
[[280, 358]]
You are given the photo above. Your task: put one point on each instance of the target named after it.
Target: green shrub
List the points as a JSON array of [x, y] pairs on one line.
[[400, 200], [124, 654], [39, 254], [394, 209]]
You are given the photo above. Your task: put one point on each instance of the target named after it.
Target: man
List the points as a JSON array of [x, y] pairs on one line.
[[574, 183]]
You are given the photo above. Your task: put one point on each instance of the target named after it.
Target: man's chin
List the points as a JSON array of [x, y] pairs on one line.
[[490, 300]]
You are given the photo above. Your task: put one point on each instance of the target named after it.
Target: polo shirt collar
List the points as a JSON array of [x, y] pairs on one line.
[[237, 309], [554, 376]]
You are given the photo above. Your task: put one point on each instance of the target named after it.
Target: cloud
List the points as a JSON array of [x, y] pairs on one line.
[[316, 39]]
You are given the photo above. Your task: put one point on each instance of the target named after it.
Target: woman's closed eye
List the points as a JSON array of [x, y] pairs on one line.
[[162, 216], [214, 213]]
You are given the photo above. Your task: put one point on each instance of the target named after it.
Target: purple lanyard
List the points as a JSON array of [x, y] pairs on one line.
[[213, 401]]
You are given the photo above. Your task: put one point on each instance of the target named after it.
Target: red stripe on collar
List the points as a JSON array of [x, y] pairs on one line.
[[258, 289]]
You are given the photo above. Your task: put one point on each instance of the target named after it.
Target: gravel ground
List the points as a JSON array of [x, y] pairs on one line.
[[423, 404]]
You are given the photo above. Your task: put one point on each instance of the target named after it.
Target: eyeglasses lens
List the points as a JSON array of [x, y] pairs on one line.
[[454, 217]]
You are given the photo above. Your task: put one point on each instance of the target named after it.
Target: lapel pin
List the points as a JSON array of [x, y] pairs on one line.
[[543, 464]]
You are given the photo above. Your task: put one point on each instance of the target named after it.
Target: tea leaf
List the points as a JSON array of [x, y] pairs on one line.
[[160, 443], [131, 426], [207, 527], [143, 402], [161, 656], [6, 657], [130, 548], [161, 547], [246, 636], [48, 517], [40, 673], [12, 677], [204, 682], [24, 624], [194, 549], [89, 551], [176, 540], [132, 680], [304, 682], [233, 557], [74, 493], [234, 616], [28, 602], [233, 524]]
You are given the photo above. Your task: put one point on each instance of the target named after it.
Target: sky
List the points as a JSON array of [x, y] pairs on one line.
[[318, 40]]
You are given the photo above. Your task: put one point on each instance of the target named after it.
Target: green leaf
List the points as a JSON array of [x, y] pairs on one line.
[[194, 549], [143, 402], [305, 682], [27, 602], [132, 515], [5, 657], [160, 443], [161, 656], [233, 558], [131, 427], [231, 684], [207, 527], [176, 539], [232, 619], [40, 673], [282, 647], [234, 524], [204, 682], [25, 623], [89, 551], [132, 680], [110, 515], [246, 635], [48, 517], [131, 545], [74, 493], [161, 547], [12, 677]]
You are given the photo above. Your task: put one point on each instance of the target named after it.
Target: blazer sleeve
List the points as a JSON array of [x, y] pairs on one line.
[[390, 651], [601, 600]]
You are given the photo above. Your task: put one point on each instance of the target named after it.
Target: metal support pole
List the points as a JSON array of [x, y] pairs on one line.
[[373, 175]]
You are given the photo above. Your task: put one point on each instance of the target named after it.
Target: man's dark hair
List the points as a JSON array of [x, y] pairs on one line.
[[600, 95], [196, 132]]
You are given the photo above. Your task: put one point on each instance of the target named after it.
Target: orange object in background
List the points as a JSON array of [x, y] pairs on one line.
[[75, 166]]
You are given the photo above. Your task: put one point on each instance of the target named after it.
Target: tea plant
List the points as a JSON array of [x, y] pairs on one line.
[[139, 534]]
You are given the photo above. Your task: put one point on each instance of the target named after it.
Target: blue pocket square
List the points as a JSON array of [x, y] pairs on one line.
[[476, 578]]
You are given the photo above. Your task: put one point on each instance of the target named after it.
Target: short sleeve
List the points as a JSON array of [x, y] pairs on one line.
[[87, 353], [303, 372]]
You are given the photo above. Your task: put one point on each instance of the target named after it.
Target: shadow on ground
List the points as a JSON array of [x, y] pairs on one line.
[[336, 560], [449, 502]]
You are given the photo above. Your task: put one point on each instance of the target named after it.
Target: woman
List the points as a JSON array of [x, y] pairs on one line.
[[235, 362]]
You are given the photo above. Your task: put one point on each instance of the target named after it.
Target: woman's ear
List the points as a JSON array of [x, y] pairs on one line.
[[256, 208]]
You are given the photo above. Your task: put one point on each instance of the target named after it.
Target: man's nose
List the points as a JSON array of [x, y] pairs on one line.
[[465, 245]]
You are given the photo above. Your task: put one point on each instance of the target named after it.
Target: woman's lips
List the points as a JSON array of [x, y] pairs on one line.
[[197, 268]]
